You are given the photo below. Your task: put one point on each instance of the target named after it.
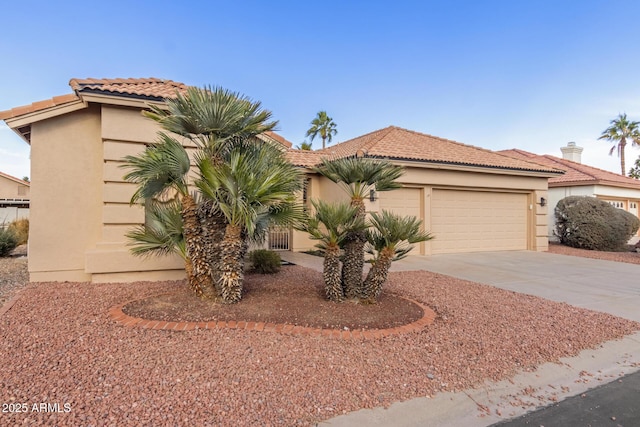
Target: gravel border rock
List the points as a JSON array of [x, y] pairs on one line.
[[61, 348]]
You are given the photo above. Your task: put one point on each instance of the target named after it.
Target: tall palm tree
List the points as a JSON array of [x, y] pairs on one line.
[[254, 185], [161, 172], [358, 176], [330, 225], [390, 238], [621, 131], [324, 126]]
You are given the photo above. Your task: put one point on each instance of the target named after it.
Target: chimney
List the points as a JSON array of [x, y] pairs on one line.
[[572, 152]]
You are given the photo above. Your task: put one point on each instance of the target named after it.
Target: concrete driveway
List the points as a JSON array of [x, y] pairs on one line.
[[607, 286]]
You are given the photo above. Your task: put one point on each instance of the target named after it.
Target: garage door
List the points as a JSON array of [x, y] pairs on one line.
[[405, 202], [475, 221]]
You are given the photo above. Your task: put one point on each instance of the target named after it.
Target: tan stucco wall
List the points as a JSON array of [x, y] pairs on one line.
[[80, 208], [10, 189], [66, 181]]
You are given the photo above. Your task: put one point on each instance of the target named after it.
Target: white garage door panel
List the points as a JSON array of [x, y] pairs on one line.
[[473, 221]]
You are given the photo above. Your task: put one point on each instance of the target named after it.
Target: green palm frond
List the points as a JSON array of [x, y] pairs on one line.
[[331, 223], [359, 175], [253, 181], [394, 232], [212, 112], [162, 234], [157, 169]]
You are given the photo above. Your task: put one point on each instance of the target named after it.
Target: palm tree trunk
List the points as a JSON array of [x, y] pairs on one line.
[[623, 144], [331, 274], [213, 224], [354, 258], [376, 277], [199, 277], [231, 264]]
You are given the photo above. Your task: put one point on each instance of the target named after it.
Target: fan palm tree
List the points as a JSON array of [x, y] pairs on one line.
[[390, 238], [330, 225], [324, 126], [358, 176], [215, 120], [305, 146], [253, 186], [634, 172], [161, 172], [620, 132]]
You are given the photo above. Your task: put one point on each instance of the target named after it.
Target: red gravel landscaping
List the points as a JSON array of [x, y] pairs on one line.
[[59, 346], [628, 257]]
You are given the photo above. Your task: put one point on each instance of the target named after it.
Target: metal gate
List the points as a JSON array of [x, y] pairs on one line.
[[279, 238]]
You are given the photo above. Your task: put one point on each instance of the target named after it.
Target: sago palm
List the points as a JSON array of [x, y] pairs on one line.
[[161, 172], [330, 225], [254, 185], [358, 176], [390, 238], [621, 131]]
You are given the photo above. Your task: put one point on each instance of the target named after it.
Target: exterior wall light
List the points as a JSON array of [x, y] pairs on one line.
[[373, 196], [543, 201]]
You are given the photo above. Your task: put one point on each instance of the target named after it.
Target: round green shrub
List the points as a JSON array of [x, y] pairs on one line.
[[589, 223], [8, 242], [264, 261]]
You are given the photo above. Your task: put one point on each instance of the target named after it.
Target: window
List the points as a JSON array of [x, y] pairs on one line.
[[22, 190], [616, 204]]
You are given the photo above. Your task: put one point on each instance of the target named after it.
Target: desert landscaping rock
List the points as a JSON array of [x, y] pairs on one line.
[[60, 346]]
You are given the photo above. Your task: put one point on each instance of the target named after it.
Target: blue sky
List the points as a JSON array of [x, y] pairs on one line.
[[495, 74]]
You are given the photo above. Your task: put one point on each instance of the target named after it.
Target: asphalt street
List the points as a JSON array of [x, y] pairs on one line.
[[614, 404]]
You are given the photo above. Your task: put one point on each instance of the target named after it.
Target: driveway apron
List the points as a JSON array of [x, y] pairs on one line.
[[607, 286]]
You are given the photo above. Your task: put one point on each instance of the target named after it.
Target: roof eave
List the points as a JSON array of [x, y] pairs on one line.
[[430, 164], [120, 99], [22, 124], [594, 182]]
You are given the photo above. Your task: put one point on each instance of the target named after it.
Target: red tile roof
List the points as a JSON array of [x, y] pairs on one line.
[[13, 178], [145, 88], [279, 138], [37, 106], [402, 144], [149, 87], [575, 173], [304, 158]]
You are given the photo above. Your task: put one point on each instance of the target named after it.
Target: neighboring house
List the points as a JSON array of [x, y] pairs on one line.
[[582, 180], [14, 199], [471, 199]]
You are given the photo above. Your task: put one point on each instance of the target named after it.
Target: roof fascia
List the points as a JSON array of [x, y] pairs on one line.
[[468, 168], [121, 100], [595, 182], [47, 113]]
